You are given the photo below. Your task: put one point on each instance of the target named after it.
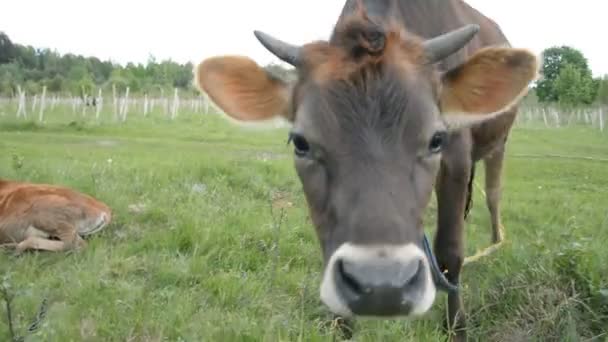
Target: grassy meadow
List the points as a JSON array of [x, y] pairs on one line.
[[211, 239]]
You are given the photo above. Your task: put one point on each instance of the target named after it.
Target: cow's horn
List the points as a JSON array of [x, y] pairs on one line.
[[284, 51], [443, 46]]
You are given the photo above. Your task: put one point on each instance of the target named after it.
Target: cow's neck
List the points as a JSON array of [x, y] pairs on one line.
[[376, 8]]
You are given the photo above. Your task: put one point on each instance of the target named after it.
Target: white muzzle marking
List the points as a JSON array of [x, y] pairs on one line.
[[357, 253]]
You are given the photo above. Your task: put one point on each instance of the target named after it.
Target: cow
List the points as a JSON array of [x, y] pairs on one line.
[[48, 217], [402, 100]]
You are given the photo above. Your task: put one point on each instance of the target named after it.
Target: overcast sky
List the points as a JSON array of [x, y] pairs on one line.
[[185, 30]]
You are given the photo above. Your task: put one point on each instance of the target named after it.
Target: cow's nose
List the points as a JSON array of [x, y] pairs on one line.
[[380, 287]]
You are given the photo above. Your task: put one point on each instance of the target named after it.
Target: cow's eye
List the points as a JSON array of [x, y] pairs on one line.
[[301, 146], [438, 142]]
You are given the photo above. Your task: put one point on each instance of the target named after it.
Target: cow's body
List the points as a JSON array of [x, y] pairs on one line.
[[404, 98], [48, 217]]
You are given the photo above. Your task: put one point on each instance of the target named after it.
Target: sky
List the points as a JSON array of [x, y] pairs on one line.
[[183, 30]]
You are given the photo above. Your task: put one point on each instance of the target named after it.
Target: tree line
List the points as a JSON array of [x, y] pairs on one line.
[[32, 68], [566, 77], [568, 81]]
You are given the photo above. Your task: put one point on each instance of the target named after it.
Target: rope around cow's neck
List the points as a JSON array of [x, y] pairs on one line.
[[441, 282]]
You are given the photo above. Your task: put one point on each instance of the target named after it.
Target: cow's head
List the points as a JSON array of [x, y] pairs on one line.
[[370, 115]]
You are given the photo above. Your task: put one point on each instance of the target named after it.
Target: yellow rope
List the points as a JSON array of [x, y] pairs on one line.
[[492, 248]]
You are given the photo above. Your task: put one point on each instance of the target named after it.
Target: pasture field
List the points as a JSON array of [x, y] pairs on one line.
[[211, 240]]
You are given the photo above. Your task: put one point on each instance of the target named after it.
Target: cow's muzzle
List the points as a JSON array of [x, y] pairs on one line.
[[378, 281]]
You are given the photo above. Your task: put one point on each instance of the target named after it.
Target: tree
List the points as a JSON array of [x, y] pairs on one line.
[[56, 84], [10, 76], [32, 68], [30, 87], [572, 87], [26, 55], [555, 59], [117, 78], [7, 49], [86, 86], [602, 93]]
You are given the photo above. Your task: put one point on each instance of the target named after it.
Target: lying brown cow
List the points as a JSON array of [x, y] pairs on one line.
[[48, 217]]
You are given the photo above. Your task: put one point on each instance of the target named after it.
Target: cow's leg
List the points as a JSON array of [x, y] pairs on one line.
[[493, 165], [39, 243], [68, 240], [71, 238], [9, 245], [77, 242], [493, 133], [451, 189]]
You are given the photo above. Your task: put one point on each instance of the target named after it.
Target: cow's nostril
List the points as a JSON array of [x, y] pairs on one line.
[[416, 277], [349, 279]]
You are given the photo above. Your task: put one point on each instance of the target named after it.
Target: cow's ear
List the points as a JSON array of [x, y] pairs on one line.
[[243, 89], [486, 85]]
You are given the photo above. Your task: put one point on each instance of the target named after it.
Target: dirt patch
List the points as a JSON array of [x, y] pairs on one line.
[[281, 200], [88, 329], [137, 208], [107, 143]]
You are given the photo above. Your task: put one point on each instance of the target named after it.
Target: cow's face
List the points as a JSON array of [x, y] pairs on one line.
[[370, 117]]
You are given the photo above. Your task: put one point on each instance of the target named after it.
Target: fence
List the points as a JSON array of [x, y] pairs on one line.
[[552, 116], [119, 108], [115, 107]]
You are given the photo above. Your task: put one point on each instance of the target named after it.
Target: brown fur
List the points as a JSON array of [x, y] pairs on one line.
[[32, 215], [358, 112], [488, 81], [224, 77], [359, 44]]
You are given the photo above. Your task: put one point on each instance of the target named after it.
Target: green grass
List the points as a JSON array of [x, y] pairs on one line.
[[205, 261]]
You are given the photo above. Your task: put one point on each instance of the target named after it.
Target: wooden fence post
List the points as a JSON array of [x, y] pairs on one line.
[[42, 104], [21, 111], [146, 105], [98, 104], [115, 99], [175, 104], [34, 104], [125, 106]]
